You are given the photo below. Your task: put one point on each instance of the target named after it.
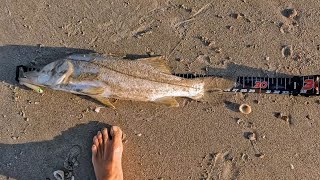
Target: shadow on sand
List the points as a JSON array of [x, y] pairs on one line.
[[14, 55], [17, 160], [38, 160]]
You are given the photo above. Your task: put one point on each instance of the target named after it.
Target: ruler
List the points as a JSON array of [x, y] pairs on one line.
[[295, 85]]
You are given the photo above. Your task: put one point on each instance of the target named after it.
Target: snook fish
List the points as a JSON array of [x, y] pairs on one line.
[[104, 77]]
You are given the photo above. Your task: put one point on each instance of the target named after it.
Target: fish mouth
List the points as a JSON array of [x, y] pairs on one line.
[[21, 70], [29, 84], [23, 80]]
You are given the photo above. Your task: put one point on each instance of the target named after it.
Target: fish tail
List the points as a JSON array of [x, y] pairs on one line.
[[212, 85], [217, 84]]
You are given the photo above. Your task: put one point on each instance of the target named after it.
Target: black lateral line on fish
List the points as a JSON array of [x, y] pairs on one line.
[[144, 78]]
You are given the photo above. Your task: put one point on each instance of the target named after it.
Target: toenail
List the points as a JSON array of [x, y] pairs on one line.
[[115, 128]]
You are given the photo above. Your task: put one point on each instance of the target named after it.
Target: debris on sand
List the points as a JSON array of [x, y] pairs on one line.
[[15, 137], [69, 164], [244, 157], [186, 8], [97, 109], [289, 12], [217, 49], [22, 113], [141, 33], [230, 28], [285, 118], [252, 136], [282, 116], [260, 155], [236, 15], [245, 109], [278, 114], [60, 175], [240, 121], [286, 51], [205, 41], [291, 166], [72, 158], [286, 27]]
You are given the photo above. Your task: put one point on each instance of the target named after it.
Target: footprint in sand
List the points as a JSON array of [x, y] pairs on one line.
[[290, 20], [219, 166]]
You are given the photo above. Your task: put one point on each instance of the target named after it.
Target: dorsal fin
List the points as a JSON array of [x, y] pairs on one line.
[[83, 57], [158, 62]]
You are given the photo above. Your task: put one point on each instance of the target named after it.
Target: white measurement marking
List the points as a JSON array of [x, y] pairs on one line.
[[276, 92], [242, 81], [285, 83], [243, 90]]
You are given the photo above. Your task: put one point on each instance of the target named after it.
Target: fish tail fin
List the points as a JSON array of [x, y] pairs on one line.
[[213, 85], [217, 84]]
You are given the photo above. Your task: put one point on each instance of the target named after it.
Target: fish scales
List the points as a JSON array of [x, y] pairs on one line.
[[147, 79]]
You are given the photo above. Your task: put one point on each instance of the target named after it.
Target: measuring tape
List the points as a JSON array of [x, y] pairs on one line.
[[296, 85]]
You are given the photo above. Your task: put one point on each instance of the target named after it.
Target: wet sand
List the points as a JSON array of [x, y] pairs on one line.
[[199, 140]]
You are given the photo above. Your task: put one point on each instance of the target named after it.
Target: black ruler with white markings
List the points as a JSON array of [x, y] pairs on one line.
[[296, 85]]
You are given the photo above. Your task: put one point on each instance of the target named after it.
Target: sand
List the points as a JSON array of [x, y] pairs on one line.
[[195, 141]]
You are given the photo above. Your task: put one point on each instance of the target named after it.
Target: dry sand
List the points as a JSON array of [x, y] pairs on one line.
[[195, 141]]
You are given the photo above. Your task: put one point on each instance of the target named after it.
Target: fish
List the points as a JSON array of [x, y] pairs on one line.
[[105, 77]]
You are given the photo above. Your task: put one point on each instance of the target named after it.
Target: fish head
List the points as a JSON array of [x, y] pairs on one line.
[[51, 74]]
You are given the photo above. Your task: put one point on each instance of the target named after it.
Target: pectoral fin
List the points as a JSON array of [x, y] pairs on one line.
[[168, 101], [104, 101]]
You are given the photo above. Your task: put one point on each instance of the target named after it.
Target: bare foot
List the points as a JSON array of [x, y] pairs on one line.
[[107, 154]]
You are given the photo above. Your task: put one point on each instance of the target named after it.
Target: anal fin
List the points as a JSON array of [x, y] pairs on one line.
[[168, 101], [93, 90]]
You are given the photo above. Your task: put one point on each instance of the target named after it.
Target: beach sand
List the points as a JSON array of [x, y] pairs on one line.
[[198, 140]]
